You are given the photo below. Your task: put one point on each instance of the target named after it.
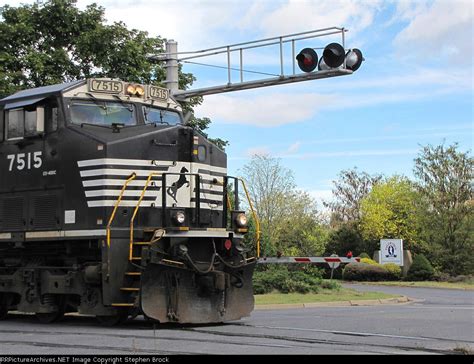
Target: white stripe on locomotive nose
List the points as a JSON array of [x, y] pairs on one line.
[[128, 172], [104, 182], [146, 163], [124, 162], [116, 193], [117, 182], [114, 172], [111, 203]]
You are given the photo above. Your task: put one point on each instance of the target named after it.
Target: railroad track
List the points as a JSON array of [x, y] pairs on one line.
[[148, 338]]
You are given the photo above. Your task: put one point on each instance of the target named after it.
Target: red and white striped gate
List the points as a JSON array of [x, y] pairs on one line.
[[308, 260]]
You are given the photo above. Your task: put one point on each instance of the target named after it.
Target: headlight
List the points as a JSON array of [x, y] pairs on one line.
[[139, 91], [131, 89], [135, 90], [241, 220], [179, 217]]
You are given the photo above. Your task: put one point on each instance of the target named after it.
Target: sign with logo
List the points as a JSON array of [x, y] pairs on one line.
[[391, 251]]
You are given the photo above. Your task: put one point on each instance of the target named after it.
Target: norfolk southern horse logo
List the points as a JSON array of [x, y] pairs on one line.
[[173, 189], [391, 251]]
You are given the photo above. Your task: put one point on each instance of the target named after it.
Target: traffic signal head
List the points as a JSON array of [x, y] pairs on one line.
[[334, 55], [354, 59], [307, 60]]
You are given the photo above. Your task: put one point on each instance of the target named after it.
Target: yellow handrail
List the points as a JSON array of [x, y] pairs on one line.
[[229, 205], [117, 203], [254, 214], [136, 210]]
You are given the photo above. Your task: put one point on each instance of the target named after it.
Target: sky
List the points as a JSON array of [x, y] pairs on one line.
[[414, 88]]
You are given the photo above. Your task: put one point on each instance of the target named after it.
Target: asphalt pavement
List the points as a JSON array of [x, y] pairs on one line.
[[439, 322]]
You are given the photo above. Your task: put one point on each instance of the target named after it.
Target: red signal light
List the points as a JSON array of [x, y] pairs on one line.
[[307, 60], [228, 244]]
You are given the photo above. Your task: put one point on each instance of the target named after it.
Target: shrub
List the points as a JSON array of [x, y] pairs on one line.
[[285, 280], [364, 255], [364, 272], [329, 284], [394, 271], [421, 269], [369, 261]]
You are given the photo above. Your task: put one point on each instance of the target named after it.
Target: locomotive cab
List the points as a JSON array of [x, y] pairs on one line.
[[111, 206]]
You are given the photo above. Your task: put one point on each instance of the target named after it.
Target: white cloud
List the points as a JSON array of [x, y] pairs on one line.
[[320, 195], [354, 153], [442, 30], [258, 151], [264, 110], [420, 77], [295, 15], [293, 148]]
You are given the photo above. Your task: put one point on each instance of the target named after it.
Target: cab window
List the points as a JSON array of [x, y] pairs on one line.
[[15, 124], [52, 118], [153, 115], [102, 113]]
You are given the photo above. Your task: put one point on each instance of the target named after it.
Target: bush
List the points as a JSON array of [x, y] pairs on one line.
[[369, 261], [284, 280], [330, 284], [395, 272], [364, 272], [364, 255], [421, 269]]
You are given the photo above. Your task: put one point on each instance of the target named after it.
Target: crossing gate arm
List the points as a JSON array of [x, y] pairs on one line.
[[306, 260]]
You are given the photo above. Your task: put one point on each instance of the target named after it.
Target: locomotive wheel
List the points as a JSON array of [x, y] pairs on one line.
[[113, 320], [47, 318]]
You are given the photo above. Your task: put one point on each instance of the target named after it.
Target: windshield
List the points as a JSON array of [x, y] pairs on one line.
[[160, 116], [102, 113]]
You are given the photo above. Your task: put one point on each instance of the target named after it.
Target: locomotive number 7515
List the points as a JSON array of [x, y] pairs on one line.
[[25, 160]]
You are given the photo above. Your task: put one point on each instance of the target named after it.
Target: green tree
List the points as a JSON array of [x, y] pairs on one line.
[[269, 184], [445, 177], [55, 42], [290, 223], [299, 230], [349, 190], [391, 210], [346, 238]]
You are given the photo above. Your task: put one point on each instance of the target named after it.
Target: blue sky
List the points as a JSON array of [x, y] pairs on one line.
[[414, 88]]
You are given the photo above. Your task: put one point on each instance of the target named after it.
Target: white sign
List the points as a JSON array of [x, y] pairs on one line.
[[391, 251]]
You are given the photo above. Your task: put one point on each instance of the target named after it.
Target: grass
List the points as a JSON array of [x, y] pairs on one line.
[[469, 285], [325, 295]]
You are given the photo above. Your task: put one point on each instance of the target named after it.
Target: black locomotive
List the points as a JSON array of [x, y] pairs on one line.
[[111, 206]]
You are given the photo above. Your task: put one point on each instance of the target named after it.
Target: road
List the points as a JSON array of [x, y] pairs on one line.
[[443, 322]]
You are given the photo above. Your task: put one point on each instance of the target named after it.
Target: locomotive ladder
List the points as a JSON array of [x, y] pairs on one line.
[[131, 287]]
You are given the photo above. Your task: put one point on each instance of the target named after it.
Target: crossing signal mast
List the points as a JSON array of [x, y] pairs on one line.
[[336, 60]]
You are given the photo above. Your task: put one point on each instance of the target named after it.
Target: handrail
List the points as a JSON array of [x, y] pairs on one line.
[[136, 210], [229, 204], [117, 203], [254, 214]]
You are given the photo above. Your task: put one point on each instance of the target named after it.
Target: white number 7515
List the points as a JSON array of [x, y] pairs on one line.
[[25, 160]]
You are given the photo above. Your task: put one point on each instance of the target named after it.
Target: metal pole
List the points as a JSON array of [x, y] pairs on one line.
[[281, 56], [241, 66], [344, 46], [228, 65], [172, 66], [293, 54]]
